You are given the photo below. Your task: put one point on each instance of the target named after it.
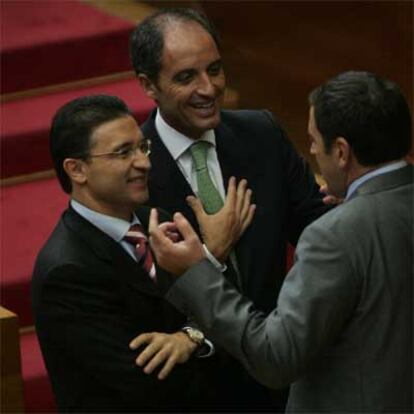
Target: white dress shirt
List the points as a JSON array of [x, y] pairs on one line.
[[114, 227], [178, 146]]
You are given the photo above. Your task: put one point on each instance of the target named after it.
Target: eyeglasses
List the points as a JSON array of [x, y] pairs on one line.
[[128, 152]]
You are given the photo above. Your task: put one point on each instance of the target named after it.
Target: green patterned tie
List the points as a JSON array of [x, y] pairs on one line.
[[207, 191]]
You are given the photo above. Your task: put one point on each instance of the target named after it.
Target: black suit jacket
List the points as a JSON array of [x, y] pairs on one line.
[[90, 298], [251, 145]]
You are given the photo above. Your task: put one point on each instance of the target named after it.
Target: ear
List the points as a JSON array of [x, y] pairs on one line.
[[343, 152], [76, 170], [149, 86]]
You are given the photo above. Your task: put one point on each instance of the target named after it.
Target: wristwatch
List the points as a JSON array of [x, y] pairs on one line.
[[194, 334]]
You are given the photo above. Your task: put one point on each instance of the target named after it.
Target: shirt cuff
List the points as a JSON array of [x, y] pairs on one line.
[[205, 350], [219, 266]]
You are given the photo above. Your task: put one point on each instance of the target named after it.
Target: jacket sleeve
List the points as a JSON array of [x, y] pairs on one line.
[[84, 323], [318, 296]]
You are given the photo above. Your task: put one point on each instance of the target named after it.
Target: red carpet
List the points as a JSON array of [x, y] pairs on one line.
[[26, 122], [28, 215], [38, 396], [38, 37], [44, 43]]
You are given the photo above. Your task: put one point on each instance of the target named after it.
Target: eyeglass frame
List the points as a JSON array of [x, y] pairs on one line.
[[126, 153]]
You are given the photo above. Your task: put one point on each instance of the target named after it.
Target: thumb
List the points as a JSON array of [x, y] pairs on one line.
[[184, 227], [196, 206]]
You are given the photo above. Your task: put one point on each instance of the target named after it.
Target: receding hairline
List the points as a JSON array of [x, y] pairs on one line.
[[167, 22]]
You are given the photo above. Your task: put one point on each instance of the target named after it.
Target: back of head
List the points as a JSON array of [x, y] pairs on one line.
[[147, 40], [369, 112], [73, 125]]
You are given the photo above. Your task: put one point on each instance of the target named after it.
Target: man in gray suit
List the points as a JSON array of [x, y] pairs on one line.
[[342, 329]]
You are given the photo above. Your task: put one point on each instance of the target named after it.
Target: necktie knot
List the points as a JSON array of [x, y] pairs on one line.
[[136, 236]]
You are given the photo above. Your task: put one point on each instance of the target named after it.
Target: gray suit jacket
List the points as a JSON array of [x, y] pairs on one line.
[[342, 329]]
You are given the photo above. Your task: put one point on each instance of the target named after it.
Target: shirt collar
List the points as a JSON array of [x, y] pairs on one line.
[[115, 228], [373, 173], [176, 142]]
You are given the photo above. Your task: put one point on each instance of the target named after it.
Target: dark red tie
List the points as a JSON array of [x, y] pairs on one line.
[[139, 240]]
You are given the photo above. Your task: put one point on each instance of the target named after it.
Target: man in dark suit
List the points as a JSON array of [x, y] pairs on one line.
[[176, 57], [342, 331], [95, 284]]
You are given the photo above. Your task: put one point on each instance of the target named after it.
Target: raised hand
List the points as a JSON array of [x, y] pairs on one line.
[[223, 229], [174, 256]]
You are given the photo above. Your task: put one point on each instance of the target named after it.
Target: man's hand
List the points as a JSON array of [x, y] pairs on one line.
[[175, 257], [162, 349], [223, 229], [329, 198]]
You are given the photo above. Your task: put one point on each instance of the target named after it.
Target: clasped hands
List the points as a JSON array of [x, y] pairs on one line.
[[220, 232]]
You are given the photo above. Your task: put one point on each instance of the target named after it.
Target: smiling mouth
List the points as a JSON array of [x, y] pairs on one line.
[[138, 180], [205, 109]]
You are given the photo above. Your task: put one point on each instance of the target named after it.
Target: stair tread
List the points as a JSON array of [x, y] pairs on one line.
[[19, 133], [53, 40]]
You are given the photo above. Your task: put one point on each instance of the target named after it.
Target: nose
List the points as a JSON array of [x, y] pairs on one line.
[[140, 160], [206, 86]]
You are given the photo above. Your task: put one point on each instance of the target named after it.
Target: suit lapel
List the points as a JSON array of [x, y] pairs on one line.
[[232, 155], [110, 253], [167, 185]]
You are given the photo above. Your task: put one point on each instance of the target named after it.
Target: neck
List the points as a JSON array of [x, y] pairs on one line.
[[188, 132]]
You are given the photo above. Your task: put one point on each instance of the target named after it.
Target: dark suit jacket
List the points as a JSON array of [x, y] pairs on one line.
[[251, 145], [90, 298]]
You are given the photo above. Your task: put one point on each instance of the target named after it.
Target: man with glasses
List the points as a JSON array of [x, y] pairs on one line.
[[95, 284]]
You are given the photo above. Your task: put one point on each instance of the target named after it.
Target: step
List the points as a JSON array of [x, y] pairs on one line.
[[48, 42], [29, 213], [26, 122], [37, 390]]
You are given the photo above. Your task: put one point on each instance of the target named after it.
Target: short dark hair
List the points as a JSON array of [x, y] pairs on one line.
[[73, 125], [369, 112], [147, 40]]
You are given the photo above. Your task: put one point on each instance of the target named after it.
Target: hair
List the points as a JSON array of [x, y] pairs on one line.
[[369, 112], [147, 40], [73, 125]]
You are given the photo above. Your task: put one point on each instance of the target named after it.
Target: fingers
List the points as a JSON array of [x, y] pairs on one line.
[[167, 368], [153, 221], [141, 340], [245, 204], [184, 227], [323, 189], [240, 195], [248, 219], [196, 206], [158, 239], [170, 230], [155, 353], [231, 192]]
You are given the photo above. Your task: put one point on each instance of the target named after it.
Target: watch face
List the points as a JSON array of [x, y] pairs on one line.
[[195, 335]]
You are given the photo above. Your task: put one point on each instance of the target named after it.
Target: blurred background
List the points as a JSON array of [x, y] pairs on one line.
[[275, 52]]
